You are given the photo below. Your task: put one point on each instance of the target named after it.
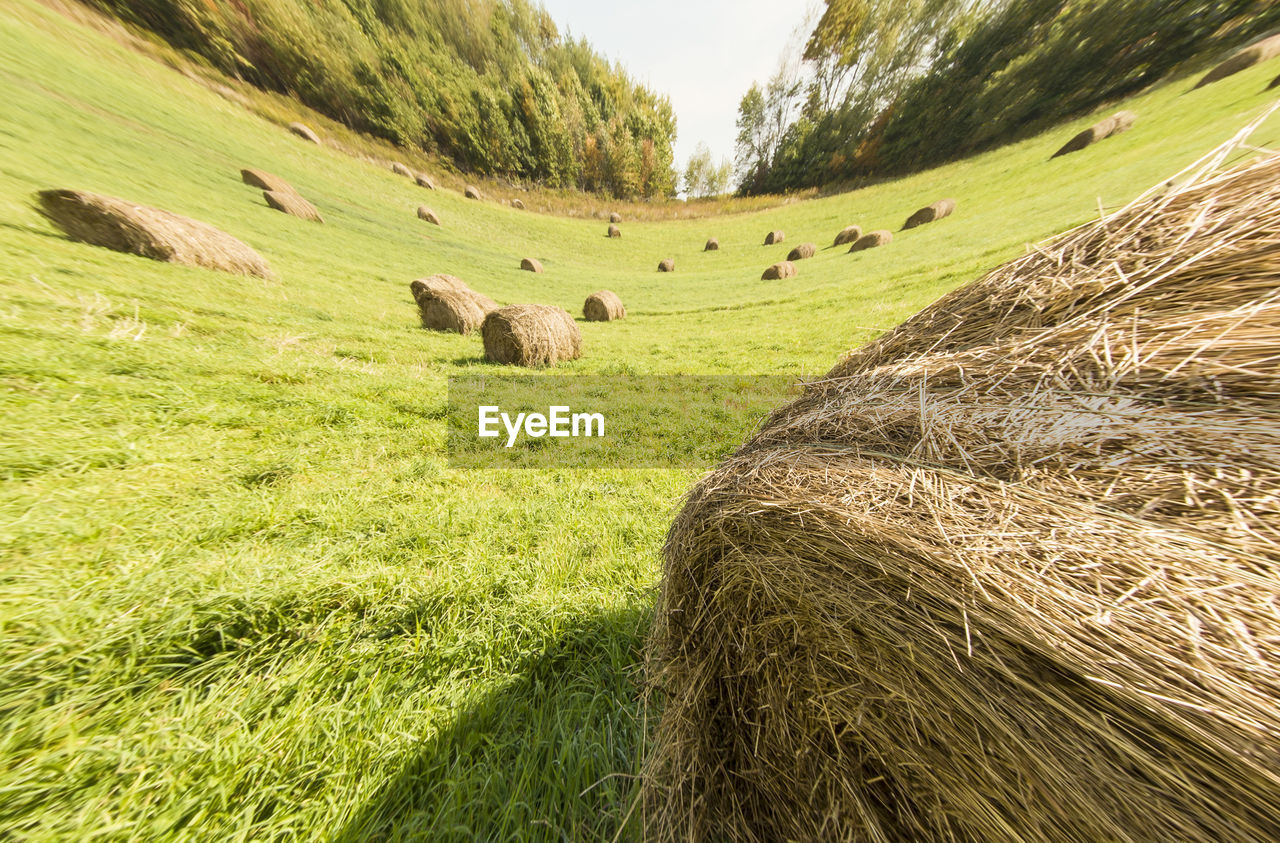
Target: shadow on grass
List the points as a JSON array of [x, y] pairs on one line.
[[551, 755]]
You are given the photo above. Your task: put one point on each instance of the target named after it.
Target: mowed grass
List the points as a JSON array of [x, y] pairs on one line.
[[243, 596]]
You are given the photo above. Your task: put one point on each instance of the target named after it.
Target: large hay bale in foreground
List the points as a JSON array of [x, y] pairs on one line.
[[930, 213], [149, 232], [531, 335], [435, 283], [666, 265], [292, 204], [615, 217], [713, 245], [804, 250], [304, 131], [531, 264], [614, 231], [773, 238], [1119, 122], [872, 240], [263, 180], [779, 271], [1008, 572], [1264, 50], [603, 306], [428, 215], [848, 234], [450, 310], [423, 180], [472, 192], [401, 170]]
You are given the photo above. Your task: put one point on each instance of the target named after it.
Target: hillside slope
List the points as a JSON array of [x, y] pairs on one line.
[[243, 596]]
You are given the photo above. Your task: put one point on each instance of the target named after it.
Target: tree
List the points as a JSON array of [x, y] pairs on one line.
[[702, 177], [763, 118]]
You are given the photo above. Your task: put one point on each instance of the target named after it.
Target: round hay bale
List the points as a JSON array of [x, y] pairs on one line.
[[713, 245], [425, 213], [1119, 122], [666, 265], [773, 238], [450, 310], [292, 204], [960, 589], [304, 131], [848, 234], [1264, 50], [615, 217], [401, 170], [804, 250], [424, 180], [486, 304], [263, 180], [517, 204], [531, 335], [472, 192], [603, 306], [872, 240], [531, 264], [614, 231], [779, 271], [930, 213], [435, 283], [1275, 83], [149, 232]]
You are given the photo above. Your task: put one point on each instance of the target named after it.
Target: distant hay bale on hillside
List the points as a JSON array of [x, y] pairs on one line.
[[531, 335], [1119, 122], [666, 265], [450, 310], [712, 245], [614, 231], [517, 204], [1264, 50], [848, 234], [615, 217], [263, 180], [423, 180], [804, 250], [304, 131], [472, 192], [779, 271], [425, 213], [603, 306], [1008, 572], [401, 170], [291, 203], [930, 213], [872, 240], [531, 264], [773, 238], [149, 232], [1275, 83]]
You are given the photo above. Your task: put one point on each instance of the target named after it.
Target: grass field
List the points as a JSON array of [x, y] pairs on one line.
[[243, 596]]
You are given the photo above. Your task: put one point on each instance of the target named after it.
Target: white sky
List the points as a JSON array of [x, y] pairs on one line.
[[703, 54]]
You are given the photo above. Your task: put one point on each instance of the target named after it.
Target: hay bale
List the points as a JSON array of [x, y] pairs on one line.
[[779, 271], [424, 180], [531, 335], [531, 264], [930, 213], [263, 180], [804, 250], [303, 131], [450, 310], [848, 234], [615, 217], [435, 283], [1008, 572], [614, 231], [1119, 122], [773, 238], [666, 265], [713, 245], [292, 204], [425, 213], [1275, 83], [603, 306], [872, 240], [472, 192], [401, 170], [1264, 50], [517, 204], [149, 232]]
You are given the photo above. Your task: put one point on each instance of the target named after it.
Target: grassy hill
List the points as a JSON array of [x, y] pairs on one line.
[[242, 594]]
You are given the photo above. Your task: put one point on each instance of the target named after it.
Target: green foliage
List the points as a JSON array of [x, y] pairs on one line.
[[703, 177], [488, 83]]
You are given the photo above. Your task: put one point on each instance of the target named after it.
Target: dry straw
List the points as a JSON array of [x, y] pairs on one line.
[[531, 264], [531, 335], [425, 213], [666, 265], [615, 217], [517, 204], [713, 245], [614, 231], [1010, 571], [1264, 50], [263, 180], [292, 204], [424, 180], [848, 234], [930, 213], [435, 283], [150, 232], [804, 250], [401, 170], [780, 270], [774, 237], [603, 306], [872, 240], [304, 131], [1119, 122], [450, 310], [472, 192]]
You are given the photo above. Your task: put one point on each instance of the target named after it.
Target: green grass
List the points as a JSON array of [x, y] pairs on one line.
[[243, 596]]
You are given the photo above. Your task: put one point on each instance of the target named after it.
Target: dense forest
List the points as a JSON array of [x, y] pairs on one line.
[[887, 87], [490, 84]]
